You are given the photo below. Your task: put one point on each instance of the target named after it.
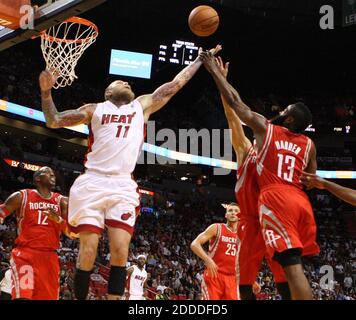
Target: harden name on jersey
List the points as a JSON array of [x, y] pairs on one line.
[[289, 146]]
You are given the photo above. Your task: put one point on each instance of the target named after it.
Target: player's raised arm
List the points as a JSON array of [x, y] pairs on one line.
[[255, 121], [312, 162], [68, 118], [156, 100], [11, 204], [239, 141], [197, 248], [313, 181]]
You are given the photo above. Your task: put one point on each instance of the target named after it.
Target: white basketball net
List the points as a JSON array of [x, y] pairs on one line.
[[62, 46]]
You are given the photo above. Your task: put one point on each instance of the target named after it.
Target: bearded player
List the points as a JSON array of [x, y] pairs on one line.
[[106, 195], [41, 216], [253, 248], [285, 213], [220, 280]]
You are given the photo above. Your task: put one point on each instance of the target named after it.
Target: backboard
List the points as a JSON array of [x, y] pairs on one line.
[[45, 14]]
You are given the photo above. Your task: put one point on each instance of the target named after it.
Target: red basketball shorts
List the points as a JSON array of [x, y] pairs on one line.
[[252, 252], [222, 287], [287, 220], [35, 274]]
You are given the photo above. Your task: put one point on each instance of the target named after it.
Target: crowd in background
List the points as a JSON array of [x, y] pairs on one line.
[[19, 84], [164, 234]]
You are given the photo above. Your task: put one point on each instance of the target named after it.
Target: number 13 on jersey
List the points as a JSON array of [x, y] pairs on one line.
[[284, 161]]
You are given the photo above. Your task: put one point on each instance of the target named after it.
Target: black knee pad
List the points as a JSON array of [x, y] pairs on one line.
[[5, 296], [81, 284], [283, 290], [117, 280], [288, 257], [246, 292]]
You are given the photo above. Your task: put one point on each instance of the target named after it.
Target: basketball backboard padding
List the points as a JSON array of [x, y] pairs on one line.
[[10, 12], [51, 15]]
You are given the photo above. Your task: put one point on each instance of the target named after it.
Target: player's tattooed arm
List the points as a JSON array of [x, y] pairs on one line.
[[11, 204], [55, 119], [255, 121], [159, 98]]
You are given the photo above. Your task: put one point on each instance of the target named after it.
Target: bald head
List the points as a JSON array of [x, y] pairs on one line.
[[44, 177], [119, 92]]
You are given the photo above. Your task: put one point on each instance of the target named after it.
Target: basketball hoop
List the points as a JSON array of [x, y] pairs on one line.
[[62, 46]]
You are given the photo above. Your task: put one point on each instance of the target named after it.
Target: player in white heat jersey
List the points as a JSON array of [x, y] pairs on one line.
[[136, 279], [105, 195]]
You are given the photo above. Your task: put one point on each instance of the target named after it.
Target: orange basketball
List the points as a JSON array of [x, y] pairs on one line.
[[203, 21]]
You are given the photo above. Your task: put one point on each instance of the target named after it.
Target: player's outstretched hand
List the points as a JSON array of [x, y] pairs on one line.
[[213, 51], [224, 68], [208, 59], [52, 215], [47, 80], [312, 181], [216, 50], [212, 267]]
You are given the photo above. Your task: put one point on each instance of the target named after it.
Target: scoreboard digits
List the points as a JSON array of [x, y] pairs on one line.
[[179, 52]]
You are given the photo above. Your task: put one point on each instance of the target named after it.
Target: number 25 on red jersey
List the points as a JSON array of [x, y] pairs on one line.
[[231, 249]]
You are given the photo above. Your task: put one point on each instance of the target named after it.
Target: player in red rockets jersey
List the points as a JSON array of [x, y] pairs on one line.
[[285, 213], [253, 248], [220, 276], [247, 191], [41, 217]]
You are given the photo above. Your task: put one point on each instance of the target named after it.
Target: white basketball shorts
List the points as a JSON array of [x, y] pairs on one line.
[[96, 200], [136, 297]]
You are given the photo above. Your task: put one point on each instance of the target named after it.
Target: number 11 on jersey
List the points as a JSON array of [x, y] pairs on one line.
[[119, 129]]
